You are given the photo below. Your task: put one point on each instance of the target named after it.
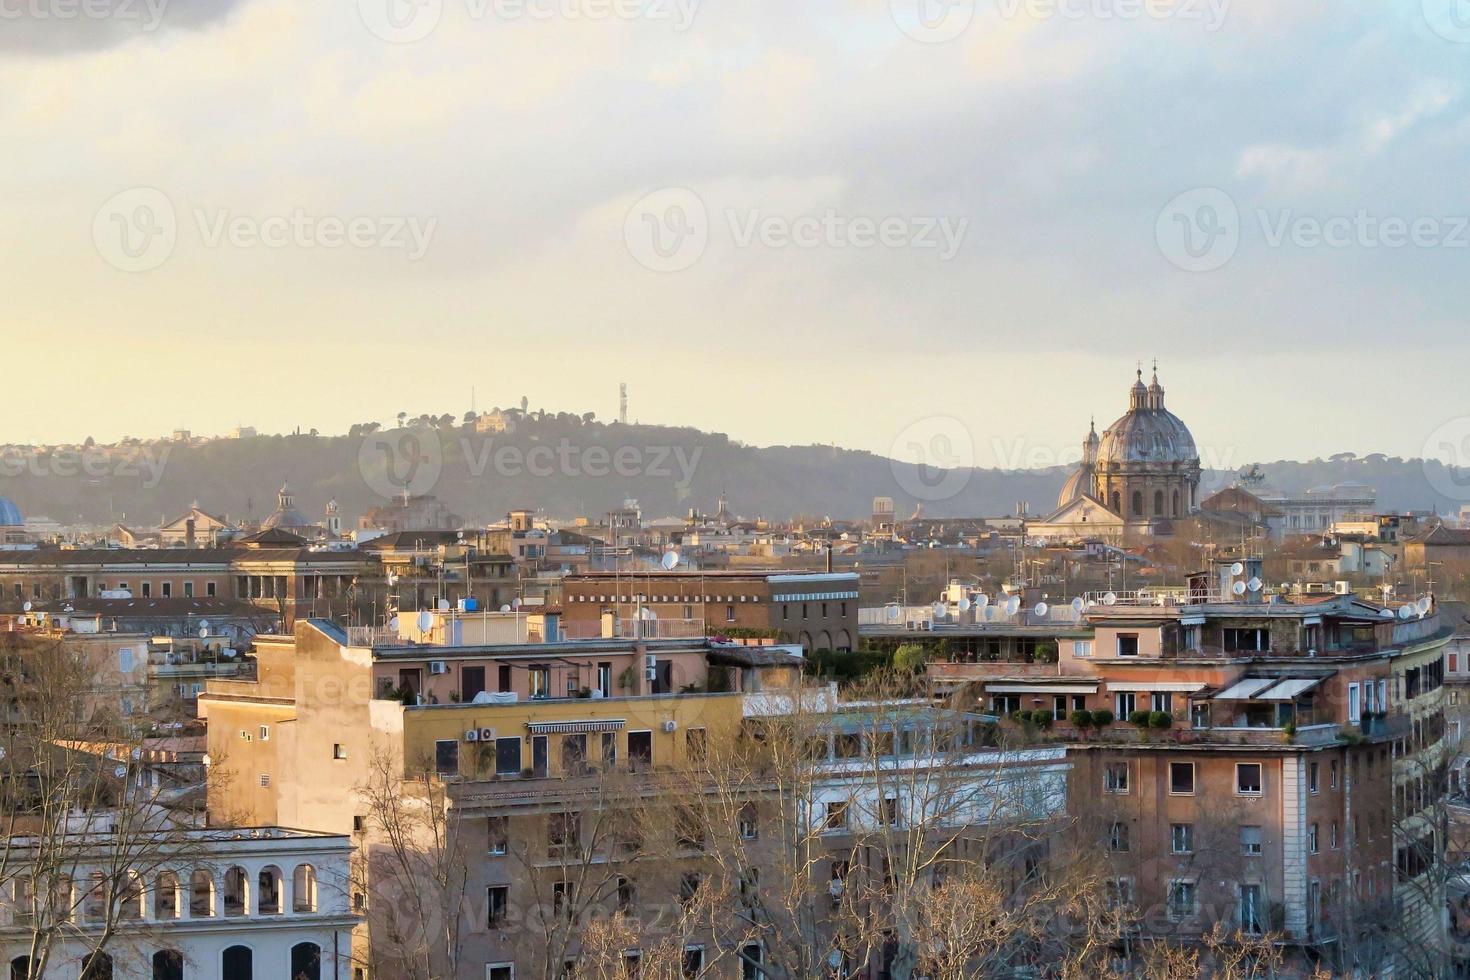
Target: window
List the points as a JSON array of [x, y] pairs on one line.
[[209, 589], [446, 757], [1181, 778], [1333, 769], [749, 827], [695, 744], [1355, 705], [497, 902], [1082, 648], [1181, 838], [1127, 644], [1246, 640], [729, 614], [750, 962], [563, 833], [1332, 836], [1312, 777], [1250, 840], [1163, 701], [1312, 839], [188, 590], [563, 898], [339, 751], [359, 823], [1248, 778], [497, 835], [540, 682], [693, 961], [499, 971], [609, 749], [1250, 909], [640, 749], [889, 814], [508, 756], [471, 683], [1181, 899], [1115, 777], [168, 590], [836, 816], [1118, 836], [574, 754], [1124, 704], [1119, 894]]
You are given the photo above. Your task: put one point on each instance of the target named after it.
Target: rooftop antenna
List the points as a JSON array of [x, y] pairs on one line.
[[623, 403]]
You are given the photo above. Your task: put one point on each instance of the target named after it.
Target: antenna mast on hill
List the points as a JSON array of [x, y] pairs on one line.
[[623, 403]]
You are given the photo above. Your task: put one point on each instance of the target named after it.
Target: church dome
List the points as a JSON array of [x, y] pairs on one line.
[[1148, 434], [286, 515], [10, 515], [1078, 485]]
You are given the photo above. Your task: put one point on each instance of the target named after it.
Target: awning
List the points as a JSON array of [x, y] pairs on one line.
[[1191, 620], [1244, 690], [1289, 690], [575, 727], [1041, 688], [1160, 686]]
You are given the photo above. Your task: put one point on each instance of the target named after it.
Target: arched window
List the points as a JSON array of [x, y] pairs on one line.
[[1176, 504], [130, 902], [20, 968], [94, 906], [166, 896], [238, 963], [271, 882], [824, 640], [1158, 503], [168, 964], [237, 892], [303, 889], [306, 962], [1138, 503], [1117, 502], [201, 895], [97, 966]]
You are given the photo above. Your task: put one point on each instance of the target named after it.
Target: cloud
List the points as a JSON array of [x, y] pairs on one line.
[[48, 28]]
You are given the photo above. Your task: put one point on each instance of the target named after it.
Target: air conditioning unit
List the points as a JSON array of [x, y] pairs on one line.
[[472, 735], [650, 661], [1343, 588], [487, 734], [650, 674], [669, 727], [438, 667]]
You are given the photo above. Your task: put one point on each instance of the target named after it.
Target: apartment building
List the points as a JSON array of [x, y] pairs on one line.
[[815, 610], [244, 903], [1274, 763]]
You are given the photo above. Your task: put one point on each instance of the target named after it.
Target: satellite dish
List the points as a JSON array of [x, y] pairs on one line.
[[1013, 605], [670, 560], [425, 621], [982, 600], [393, 624], [505, 608], [989, 613], [1078, 605], [1111, 599], [1407, 612], [1238, 588], [443, 605], [939, 610], [1041, 610], [26, 607], [964, 603], [120, 771], [204, 624], [203, 632], [1255, 585], [1424, 605], [891, 611], [515, 603], [1237, 569]]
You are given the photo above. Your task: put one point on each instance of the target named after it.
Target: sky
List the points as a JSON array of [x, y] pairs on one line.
[[872, 223]]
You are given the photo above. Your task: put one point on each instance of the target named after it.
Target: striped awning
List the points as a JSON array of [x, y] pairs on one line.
[[1162, 687], [576, 727]]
